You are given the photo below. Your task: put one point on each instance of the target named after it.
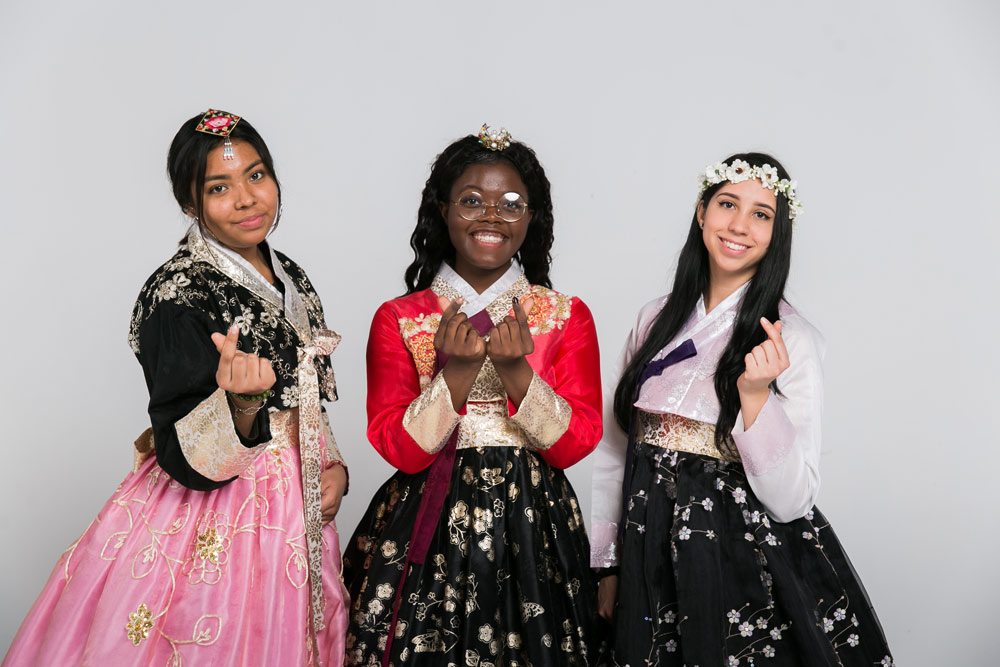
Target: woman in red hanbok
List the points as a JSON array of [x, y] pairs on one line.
[[483, 384]]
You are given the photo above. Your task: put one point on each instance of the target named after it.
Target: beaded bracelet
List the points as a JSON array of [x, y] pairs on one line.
[[262, 396]]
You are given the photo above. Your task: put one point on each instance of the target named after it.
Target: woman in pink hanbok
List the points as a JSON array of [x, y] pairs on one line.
[[219, 548]]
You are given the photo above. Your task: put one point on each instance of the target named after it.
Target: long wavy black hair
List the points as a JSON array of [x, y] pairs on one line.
[[187, 158], [761, 299], [430, 242]]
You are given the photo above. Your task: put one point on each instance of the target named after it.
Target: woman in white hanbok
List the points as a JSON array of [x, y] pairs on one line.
[[704, 530]]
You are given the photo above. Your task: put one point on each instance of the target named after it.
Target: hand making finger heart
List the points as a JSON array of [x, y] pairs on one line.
[[239, 372], [765, 362], [456, 337], [511, 340]]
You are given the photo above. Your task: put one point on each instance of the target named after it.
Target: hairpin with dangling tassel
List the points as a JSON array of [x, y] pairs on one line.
[[221, 124]]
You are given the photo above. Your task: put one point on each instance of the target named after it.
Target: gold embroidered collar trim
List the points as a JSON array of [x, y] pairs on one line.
[[293, 306], [498, 308]]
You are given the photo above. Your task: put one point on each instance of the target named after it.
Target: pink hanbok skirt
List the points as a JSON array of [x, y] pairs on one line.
[[170, 576]]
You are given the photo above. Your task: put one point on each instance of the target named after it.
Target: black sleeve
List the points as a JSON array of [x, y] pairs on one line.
[[179, 361]]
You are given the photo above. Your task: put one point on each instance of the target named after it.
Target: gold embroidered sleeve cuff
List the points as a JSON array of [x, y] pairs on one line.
[[333, 454], [431, 417], [143, 449], [544, 415], [210, 443]]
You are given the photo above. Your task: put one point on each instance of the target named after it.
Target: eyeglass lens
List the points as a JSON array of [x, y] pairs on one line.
[[510, 207]]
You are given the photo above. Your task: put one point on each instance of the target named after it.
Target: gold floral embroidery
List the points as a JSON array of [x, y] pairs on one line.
[[680, 434], [143, 449], [145, 542], [209, 545], [530, 610], [209, 441], [488, 425], [500, 307], [205, 632], [458, 526], [418, 334], [202, 279], [389, 549], [488, 386], [575, 518], [323, 344], [491, 477], [333, 454], [442, 611], [429, 642], [431, 417], [548, 311], [140, 622], [544, 415], [210, 556]]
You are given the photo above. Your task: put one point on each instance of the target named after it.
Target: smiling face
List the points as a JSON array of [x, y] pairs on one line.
[[240, 198], [737, 223], [484, 248]]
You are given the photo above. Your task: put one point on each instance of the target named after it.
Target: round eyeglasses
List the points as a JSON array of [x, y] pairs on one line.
[[472, 206]]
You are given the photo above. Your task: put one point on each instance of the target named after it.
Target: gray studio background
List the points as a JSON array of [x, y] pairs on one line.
[[886, 113]]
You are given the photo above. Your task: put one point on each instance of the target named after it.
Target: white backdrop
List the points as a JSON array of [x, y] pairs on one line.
[[886, 113]]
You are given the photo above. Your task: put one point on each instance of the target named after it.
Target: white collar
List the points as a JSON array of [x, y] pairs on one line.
[[250, 268], [475, 302]]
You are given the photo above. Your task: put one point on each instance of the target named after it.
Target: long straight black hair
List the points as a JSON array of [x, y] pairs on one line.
[[761, 299], [430, 241]]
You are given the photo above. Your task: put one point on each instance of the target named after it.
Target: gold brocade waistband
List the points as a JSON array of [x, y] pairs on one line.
[[680, 434], [489, 425]]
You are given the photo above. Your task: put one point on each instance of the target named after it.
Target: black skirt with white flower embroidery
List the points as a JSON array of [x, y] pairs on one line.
[[707, 578], [506, 580]]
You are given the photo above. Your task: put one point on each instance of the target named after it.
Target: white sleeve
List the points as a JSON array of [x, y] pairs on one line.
[[609, 457], [781, 450]]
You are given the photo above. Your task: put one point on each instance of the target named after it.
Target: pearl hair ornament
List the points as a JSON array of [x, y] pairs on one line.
[[493, 139]]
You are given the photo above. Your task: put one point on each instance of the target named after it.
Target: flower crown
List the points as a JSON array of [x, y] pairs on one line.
[[740, 171]]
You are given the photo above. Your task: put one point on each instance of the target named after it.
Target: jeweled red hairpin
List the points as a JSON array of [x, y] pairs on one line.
[[221, 124]]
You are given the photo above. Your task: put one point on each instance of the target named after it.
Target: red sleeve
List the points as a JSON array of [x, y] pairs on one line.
[[575, 376], [392, 385]]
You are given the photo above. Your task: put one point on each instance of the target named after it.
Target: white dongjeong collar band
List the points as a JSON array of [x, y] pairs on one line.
[[476, 302]]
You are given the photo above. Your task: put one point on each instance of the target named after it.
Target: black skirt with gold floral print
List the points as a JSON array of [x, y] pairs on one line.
[[506, 580]]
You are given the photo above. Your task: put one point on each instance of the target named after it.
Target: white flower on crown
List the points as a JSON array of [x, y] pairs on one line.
[[716, 173], [740, 171], [767, 175]]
